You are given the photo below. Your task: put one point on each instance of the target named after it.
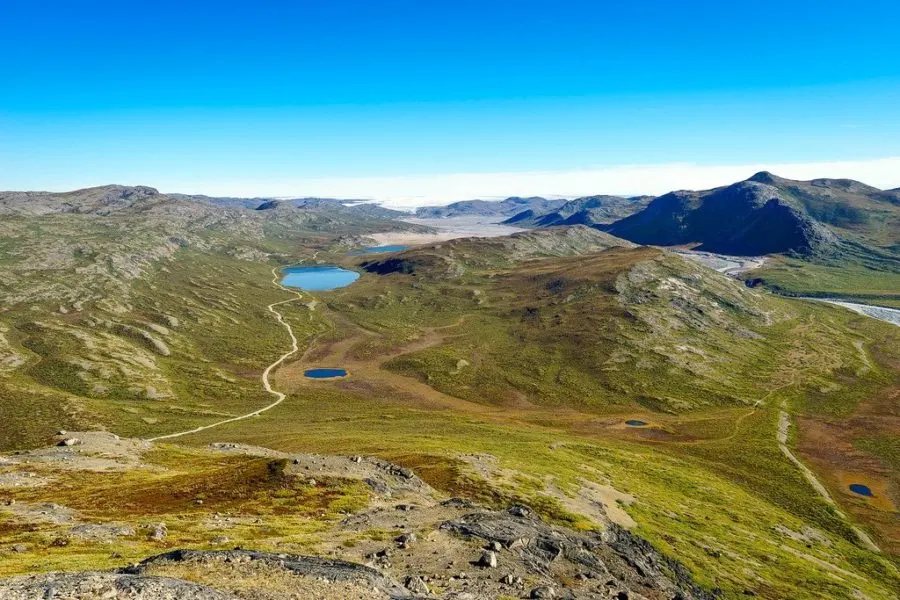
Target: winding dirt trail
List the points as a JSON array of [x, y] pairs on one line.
[[279, 396]]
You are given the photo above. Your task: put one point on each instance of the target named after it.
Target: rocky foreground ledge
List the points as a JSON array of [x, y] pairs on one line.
[[498, 554]]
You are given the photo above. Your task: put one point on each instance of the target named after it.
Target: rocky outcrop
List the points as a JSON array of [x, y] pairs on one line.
[[304, 566], [493, 553], [105, 586], [627, 564]]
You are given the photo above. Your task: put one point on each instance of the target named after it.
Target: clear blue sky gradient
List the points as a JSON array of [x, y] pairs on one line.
[[186, 93]]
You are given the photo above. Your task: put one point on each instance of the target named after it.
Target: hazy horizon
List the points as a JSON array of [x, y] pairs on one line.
[[408, 193], [625, 180]]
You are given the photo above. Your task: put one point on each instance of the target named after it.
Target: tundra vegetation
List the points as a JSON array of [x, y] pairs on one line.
[[499, 370]]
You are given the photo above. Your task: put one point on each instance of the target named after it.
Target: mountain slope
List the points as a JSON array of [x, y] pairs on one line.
[[745, 218], [854, 210], [589, 341], [767, 214], [611, 320], [456, 257]]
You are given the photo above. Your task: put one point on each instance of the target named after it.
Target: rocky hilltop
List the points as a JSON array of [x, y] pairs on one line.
[[446, 548], [102, 200], [91, 241]]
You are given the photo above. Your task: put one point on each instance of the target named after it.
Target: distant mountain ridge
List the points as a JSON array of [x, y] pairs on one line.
[[97, 200], [764, 214], [268, 203], [110, 199], [228, 202], [589, 210], [490, 208]]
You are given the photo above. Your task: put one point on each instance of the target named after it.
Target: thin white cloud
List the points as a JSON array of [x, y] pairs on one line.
[[420, 190]]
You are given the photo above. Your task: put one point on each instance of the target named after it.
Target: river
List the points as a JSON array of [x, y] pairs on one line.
[[889, 315]]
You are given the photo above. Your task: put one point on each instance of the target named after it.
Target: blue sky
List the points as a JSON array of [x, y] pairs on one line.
[[417, 102]]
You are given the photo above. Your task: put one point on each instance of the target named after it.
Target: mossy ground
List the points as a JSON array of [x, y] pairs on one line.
[[712, 489], [853, 280], [192, 491]]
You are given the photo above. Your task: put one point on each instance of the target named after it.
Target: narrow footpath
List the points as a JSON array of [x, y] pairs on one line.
[[279, 396], [784, 423]]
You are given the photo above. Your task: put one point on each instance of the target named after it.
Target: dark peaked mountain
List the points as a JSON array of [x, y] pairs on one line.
[[767, 214], [743, 218], [855, 210]]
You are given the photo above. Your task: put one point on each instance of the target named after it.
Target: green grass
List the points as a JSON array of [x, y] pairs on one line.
[[688, 506], [31, 416], [560, 337], [556, 350], [185, 489], [222, 339], [540, 332], [849, 279], [885, 447]]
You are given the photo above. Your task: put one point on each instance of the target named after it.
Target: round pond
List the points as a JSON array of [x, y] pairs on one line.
[[862, 490]]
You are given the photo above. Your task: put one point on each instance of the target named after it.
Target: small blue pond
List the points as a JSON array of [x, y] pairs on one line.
[[324, 373], [319, 278], [635, 423], [862, 490], [380, 249]]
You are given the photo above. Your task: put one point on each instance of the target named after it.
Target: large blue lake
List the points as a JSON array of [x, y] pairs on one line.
[[380, 249], [319, 278]]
